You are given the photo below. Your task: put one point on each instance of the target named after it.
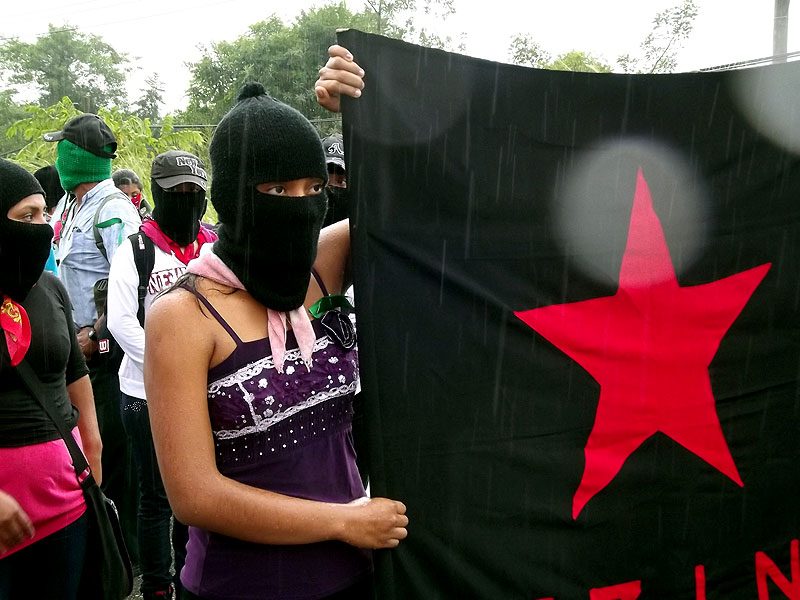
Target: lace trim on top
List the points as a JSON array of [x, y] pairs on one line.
[[264, 423], [250, 370]]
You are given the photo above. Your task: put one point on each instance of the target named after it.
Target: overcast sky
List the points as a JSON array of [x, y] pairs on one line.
[[162, 36]]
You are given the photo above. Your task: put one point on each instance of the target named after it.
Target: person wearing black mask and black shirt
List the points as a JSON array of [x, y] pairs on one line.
[[338, 202], [51, 184], [53, 193], [42, 524], [174, 236]]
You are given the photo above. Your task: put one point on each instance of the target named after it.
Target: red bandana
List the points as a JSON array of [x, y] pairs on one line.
[[17, 329], [160, 239]]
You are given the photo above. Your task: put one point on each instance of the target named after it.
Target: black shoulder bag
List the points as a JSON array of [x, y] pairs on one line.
[[107, 572]]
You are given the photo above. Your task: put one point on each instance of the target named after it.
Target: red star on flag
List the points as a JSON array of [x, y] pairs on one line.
[[649, 347]]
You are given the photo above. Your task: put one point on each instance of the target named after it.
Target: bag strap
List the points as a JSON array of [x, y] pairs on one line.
[[144, 256], [34, 385], [97, 225]]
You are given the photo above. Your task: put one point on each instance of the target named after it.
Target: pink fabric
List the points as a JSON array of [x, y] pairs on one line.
[[160, 239], [57, 231], [42, 480], [211, 266]]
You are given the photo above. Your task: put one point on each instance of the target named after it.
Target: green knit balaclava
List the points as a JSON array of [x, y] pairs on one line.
[[76, 165]]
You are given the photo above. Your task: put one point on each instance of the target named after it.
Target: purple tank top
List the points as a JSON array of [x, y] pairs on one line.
[[289, 433]]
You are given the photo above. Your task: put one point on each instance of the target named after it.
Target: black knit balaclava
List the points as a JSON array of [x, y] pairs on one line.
[[269, 242], [178, 214], [24, 247]]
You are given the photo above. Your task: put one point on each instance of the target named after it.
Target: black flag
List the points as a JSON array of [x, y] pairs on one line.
[[578, 302]]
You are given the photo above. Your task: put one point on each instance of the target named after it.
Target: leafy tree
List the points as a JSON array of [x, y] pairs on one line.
[[66, 62], [10, 112], [149, 105], [284, 58], [432, 40], [579, 61], [660, 47], [396, 18], [523, 50], [136, 144]]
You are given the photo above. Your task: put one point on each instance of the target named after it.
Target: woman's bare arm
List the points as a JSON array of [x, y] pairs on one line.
[[80, 394], [179, 345], [333, 257]]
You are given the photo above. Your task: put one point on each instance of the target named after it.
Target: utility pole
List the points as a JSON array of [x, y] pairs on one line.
[[780, 31]]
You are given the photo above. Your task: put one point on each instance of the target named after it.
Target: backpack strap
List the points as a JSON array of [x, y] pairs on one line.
[[97, 225], [144, 256]]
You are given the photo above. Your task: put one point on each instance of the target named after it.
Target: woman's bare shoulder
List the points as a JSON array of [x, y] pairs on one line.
[[177, 315], [333, 256], [175, 302]]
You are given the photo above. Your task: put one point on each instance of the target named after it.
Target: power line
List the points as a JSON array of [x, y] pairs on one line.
[[754, 62]]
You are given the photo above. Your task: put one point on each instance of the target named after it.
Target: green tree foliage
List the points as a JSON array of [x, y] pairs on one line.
[[659, 50], [148, 106], [270, 52], [10, 112], [66, 62], [523, 50], [136, 144], [660, 47], [397, 19], [286, 58], [579, 61]]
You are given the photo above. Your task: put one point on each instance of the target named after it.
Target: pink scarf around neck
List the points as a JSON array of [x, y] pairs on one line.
[[209, 265]]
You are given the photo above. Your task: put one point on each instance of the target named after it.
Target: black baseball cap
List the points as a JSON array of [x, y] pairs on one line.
[[334, 150], [174, 167], [87, 131]]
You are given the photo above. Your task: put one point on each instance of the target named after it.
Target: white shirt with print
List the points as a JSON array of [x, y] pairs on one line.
[[123, 305]]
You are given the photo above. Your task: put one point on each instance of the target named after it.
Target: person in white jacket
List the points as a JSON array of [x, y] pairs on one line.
[[174, 237]]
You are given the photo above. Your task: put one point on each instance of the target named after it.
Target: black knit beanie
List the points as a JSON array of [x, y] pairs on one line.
[[260, 140], [24, 247], [51, 184], [15, 184]]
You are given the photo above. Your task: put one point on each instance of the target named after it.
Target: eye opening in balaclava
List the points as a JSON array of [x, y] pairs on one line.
[[24, 247], [269, 242]]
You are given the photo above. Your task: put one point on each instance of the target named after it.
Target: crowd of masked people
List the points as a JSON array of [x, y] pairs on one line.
[[208, 387]]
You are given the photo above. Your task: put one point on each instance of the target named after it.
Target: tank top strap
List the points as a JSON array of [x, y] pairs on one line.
[[319, 281], [214, 313]]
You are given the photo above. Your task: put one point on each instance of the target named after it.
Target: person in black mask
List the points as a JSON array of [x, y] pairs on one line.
[[338, 208], [165, 244], [51, 184], [252, 420], [53, 193], [129, 184], [42, 524]]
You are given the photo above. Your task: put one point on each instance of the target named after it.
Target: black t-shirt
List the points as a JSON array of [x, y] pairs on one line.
[[55, 357]]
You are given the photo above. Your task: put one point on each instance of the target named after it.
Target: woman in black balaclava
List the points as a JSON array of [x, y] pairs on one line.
[[250, 400], [42, 527]]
